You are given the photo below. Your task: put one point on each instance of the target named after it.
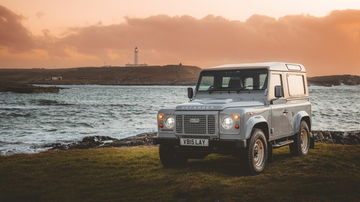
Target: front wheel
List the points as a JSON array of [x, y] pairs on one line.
[[256, 154], [302, 141], [170, 157]]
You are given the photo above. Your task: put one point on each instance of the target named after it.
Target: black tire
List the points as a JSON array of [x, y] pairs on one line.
[[253, 161], [302, 141], [169, 157]]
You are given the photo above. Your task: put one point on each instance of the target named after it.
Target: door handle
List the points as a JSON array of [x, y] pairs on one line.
[[285, 111]]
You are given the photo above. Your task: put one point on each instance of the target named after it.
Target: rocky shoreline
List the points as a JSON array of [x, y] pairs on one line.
[[26, 88], [334, 80], [143, 139], [338, 137], [146, 139]]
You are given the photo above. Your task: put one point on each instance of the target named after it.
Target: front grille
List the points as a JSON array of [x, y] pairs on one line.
[[179, 123], [195, 124], [211, 124], [198, 126]]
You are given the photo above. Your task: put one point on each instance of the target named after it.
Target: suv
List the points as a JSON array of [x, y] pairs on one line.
[[240, 109]]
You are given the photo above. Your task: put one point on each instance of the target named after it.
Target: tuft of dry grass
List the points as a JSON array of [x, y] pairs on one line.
[[328, 173]]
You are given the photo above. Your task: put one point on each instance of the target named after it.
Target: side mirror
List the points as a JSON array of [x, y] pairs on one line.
[[279, 92], [190, 92]]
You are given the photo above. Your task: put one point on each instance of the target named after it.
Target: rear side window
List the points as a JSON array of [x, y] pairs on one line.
[[296, 85]]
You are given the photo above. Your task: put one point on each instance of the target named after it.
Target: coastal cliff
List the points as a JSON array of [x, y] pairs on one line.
[[146, 75]]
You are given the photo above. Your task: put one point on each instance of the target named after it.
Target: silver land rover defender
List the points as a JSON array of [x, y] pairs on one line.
[[240, 109]]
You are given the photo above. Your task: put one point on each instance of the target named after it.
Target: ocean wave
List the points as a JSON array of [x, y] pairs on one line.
[[49, 102], [86, 125], [120, 105], [13, 114], [10, 143]]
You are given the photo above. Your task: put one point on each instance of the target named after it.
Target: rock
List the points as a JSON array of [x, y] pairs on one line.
[[106, 141], [338, 137], [25, 88], [334, 80]]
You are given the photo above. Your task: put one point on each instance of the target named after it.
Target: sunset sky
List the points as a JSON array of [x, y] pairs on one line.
[[322, 35]]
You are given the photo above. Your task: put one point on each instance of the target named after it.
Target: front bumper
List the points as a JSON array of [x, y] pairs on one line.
[[215, 145]]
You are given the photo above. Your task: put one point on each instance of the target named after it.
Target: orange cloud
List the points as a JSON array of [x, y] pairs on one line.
[[326, 45], [12, 33]]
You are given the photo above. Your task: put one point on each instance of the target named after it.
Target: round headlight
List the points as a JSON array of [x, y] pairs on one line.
[[170, 122], [227, 122]]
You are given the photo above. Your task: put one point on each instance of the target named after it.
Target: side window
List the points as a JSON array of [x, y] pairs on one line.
[[296, 85], [276, 80]]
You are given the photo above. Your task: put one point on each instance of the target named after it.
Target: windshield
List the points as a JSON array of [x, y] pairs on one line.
[[233, 80]]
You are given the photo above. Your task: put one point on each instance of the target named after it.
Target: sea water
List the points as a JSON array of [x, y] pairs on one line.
[[30, 121]]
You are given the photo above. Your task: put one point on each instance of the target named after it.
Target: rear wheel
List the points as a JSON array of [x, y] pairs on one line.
[[170, 157], [302, 141], [255, 156]]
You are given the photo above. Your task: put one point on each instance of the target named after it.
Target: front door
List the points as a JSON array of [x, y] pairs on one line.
[[280, 118], [280, 114]]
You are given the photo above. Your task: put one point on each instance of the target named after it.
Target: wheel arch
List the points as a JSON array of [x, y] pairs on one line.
[[257, 122], [301, 116]]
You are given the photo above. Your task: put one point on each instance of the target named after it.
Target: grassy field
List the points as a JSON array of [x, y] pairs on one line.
[[329, 173]]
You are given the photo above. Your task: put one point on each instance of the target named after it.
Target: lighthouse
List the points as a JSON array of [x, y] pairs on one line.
[[136, 59], [136, 52]]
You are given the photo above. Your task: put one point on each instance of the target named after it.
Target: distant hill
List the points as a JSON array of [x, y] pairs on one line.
[[147, 75], [334, 80]]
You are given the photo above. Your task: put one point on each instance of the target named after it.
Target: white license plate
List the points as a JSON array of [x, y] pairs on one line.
[[194, 142]]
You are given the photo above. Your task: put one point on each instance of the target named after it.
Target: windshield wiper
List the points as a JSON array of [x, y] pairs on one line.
[[226, 90]]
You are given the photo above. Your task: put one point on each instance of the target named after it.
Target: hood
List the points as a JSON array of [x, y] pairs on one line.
[[217, 104]]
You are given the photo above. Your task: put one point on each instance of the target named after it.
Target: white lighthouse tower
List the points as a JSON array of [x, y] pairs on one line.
[[136, 52], [136, 59]]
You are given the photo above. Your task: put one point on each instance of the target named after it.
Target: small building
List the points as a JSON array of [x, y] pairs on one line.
[[56, 78]]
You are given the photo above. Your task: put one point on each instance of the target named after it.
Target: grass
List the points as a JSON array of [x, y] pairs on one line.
[[328, 173]]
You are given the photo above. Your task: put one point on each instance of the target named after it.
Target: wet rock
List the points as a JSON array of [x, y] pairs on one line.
[[334, 80], [25, 88], [338, 137], [106, 141]]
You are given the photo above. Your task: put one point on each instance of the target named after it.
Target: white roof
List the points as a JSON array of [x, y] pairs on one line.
[[273, 66]]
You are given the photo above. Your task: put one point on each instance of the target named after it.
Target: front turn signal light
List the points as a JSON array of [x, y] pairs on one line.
[[236, 117], [161, 116]]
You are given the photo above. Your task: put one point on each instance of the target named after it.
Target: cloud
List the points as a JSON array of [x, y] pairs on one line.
[[326, 45], [13, 34], [39, 14]]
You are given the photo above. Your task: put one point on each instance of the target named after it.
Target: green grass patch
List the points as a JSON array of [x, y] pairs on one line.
[[328, 173]]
